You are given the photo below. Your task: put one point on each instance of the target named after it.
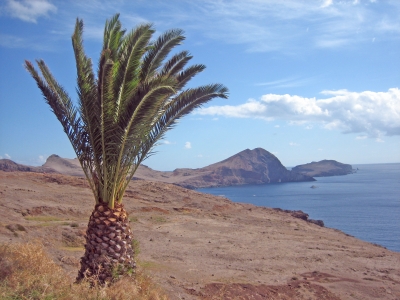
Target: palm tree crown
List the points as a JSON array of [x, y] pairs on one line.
[[138, 94]]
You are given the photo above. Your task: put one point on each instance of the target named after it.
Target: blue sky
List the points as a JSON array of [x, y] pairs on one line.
[[308, 80]]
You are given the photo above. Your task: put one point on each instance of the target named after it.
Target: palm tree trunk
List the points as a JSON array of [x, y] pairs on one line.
[[108, 249]]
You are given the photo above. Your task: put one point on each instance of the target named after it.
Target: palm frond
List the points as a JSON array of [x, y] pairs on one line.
[[113, 35], [159, 50], [176, 63], [127, 68], [87, 93], [122, 113], [180, 106], [66, 113], [186, 75]]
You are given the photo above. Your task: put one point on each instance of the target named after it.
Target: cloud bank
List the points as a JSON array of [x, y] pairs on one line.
[[30, 10], [372, 114]]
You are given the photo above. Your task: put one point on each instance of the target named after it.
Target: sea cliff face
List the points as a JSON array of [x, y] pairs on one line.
[[324, 168]]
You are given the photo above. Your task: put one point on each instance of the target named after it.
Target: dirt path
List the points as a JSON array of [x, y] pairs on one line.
[[198, 246]]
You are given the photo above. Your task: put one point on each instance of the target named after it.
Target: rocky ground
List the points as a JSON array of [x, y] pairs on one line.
[[198, 246]]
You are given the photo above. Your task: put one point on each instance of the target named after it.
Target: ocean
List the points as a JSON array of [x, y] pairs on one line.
[[365, 204]]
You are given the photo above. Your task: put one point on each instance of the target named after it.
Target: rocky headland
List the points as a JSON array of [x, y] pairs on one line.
[[324, 168], [256, 166]]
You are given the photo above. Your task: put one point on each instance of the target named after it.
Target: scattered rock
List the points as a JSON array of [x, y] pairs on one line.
[[15, 227], [301, 215]]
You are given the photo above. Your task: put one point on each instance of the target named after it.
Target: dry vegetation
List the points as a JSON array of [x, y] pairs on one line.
[[27, 272]]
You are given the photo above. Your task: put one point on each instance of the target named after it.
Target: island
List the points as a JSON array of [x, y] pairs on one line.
[[324, 168]]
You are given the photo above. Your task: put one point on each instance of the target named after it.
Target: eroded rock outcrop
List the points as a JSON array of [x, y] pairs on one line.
[[301, 215]]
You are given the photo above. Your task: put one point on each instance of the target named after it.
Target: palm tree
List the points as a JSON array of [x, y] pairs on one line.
[[138, 94]]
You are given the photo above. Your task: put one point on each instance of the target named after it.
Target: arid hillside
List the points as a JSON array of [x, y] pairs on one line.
[[198, 246]]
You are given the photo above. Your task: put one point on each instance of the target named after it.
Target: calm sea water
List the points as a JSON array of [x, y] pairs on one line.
[[365, 204]]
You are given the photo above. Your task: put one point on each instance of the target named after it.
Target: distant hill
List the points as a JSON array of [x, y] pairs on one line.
[[64, 166], [324, 168], [8, 165], [256, 166]]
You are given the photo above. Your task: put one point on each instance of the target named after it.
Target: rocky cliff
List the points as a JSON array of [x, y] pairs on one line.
[[324, 168]]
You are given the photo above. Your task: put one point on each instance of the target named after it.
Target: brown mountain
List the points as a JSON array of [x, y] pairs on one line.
[[324, 168], [256, 166], [64, 166], [8, 165]]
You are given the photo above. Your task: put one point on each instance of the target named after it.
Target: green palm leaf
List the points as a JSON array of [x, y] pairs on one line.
[[121, 113]]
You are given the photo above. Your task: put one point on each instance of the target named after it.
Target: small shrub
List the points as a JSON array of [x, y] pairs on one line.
[[71, 239], [135, 247], [159, 219], [133, 219], [42, 218]]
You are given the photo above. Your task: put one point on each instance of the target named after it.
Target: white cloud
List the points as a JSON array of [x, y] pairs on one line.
[[167, 142], [30, 10], [41, 159], [287, 82], [326, 3], [293, 144], [268, 25], [7, 156], [361, 137], [188, 145], [371, 113]]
